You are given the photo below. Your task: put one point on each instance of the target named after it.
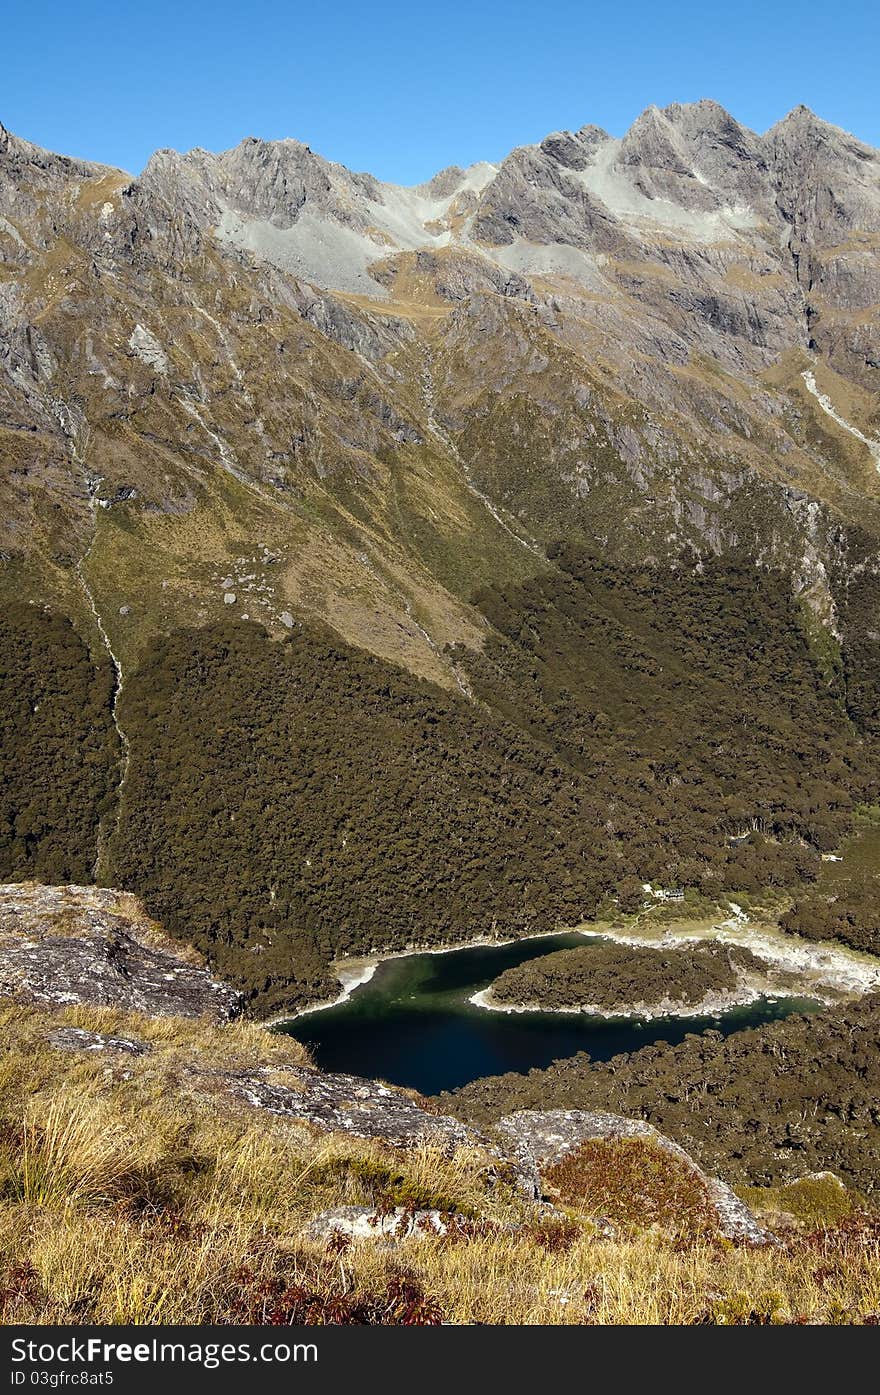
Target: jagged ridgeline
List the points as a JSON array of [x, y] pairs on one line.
[[59, 751]]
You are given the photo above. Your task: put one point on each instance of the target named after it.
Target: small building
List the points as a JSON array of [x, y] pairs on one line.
[[662, 893]]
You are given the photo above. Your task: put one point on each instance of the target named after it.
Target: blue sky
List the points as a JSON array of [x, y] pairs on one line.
[[402, 89]]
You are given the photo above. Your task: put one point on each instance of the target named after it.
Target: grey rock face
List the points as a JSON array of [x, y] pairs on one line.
[[67, 945], [567, 149], [348, 1104], [827, 182], [535, 197], [698, 157], [272, 180], [727, 155], [363, 1223], [78, 1039], [20, 157], [444, 183]]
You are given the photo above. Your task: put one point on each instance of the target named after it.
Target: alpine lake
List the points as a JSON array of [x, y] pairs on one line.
[[412, 1023]]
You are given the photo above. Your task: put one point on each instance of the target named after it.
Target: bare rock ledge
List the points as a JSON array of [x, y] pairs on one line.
[[86, 944]]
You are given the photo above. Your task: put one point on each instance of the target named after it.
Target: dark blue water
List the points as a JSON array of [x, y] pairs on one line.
[[412, 1024]]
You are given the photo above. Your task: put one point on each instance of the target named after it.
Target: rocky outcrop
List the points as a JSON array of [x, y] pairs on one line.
[[79, 1039], [520, 1146], [349, 1104], [539, 1138], [67, 945], [366, 1223]]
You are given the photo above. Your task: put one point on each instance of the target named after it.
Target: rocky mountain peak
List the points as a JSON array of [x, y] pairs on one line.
[[806, 138], [696, 156], [444, 183], [802, 119], [828, 182], [652, 140], [17, 155], [705, 127], [573, 151], [642, 288]]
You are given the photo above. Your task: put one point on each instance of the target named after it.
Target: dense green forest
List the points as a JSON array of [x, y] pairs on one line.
[[856, 587], [688, 692], [610, 974], [59, 751], [761, 1106], [853, 917], [289, 801]]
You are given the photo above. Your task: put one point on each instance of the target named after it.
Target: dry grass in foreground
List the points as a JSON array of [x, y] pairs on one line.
[[129, 1196]]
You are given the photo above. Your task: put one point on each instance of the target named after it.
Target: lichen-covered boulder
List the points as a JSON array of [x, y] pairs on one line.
[[85, 944], [539, 1138]]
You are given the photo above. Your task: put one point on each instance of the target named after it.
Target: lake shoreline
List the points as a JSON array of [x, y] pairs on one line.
[[413, 1025], [713, 1005], [820, 965], [353, 973]]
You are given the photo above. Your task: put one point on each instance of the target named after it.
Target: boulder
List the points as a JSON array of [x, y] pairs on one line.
[[78, 1039], [365, 1223], [539, 1138]]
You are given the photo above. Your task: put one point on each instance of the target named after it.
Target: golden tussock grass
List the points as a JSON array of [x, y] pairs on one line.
[[128, 1196]]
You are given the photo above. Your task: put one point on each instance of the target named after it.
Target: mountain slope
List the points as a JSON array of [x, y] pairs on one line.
[[255, 394], [407, 393]]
